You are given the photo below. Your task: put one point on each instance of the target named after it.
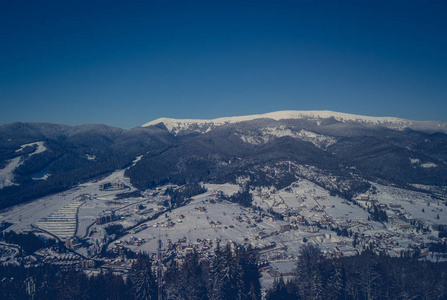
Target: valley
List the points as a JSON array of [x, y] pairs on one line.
[[276, 183], [278, 223]]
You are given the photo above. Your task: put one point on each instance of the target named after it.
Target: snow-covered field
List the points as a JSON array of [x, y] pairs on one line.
[[288, 218], [44, 212]]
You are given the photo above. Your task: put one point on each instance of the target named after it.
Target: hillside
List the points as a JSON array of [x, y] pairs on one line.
[[271, 149]]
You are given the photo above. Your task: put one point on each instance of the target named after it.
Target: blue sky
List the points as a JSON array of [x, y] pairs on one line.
[[124, 63]]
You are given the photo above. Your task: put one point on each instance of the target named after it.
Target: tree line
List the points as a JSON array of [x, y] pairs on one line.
[[231, 274], [28, 242], [365, 276]]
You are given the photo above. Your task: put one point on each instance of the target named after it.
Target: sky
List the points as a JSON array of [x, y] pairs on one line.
[[125, 63]]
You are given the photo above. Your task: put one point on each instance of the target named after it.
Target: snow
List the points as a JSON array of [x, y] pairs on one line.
[[429, 165], [212, 223], [270, 133], [40, 147], [74, 212], [416, 204], [203, 125], [90, 157], [7, 173], [134, 162], [57, 213], [228, 189], [414, 161], [63, 222]]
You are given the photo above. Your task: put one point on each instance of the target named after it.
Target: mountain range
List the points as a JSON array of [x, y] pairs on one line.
[[341, 152]]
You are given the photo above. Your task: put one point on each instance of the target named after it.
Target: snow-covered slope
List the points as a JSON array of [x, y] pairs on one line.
[[200, 125], [7, 173]]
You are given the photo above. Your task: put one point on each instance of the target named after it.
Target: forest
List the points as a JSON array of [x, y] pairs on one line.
[[231, 274], [234, 273], [365, 276]]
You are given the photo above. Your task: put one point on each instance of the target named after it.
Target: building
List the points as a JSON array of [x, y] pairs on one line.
[[284, 226], [108, 217], [105, 186], [108, 185], [71, 243]]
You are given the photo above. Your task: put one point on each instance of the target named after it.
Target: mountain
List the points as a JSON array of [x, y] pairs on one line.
[[352, 148], [68, 156], [179, 126], [342, 152]]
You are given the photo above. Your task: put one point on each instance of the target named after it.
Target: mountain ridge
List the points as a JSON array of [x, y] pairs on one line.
[[204, 125], [269, 149]]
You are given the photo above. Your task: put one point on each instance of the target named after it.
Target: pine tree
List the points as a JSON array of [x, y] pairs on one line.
[[192, 280], [309, 273], [143, 280], [216, 285], [250, 273]]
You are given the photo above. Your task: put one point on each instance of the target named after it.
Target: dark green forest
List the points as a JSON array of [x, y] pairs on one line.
[[365, 276], [233, 273]]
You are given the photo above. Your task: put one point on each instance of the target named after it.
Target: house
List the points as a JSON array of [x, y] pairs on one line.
[[105, 186], [284, 226], [300, 219], [382, 206], [118, 185], [363, 197], [325, 218]]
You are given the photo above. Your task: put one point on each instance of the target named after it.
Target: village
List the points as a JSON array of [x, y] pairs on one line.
[[101, 225]]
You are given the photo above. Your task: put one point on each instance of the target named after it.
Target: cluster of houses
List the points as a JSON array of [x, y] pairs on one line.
[[133, 241], [138, 228], [63, 260]]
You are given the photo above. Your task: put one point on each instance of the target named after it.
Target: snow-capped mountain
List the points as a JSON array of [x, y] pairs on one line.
[[178, 126], [339, 151]]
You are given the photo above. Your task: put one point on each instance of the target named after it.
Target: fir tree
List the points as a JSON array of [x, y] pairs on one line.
[[309, 273], [143, 280]]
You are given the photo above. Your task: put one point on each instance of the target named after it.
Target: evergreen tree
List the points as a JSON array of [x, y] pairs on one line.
[[192, 279], [282, 291], [144, 286], [309, 273]]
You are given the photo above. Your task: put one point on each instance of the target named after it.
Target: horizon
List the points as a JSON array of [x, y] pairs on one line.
[[127, 64], [262, 115]]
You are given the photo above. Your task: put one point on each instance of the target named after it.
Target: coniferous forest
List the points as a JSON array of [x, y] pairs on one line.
[[365, 276], [233, 273]]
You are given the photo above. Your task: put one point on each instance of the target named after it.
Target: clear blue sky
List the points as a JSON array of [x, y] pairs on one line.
[[125, 63]]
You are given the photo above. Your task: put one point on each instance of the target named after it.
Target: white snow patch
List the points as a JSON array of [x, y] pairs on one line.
[[414, 161], [429, 165], [227, 188], [137, 159], [319, 140], [424, 165], [270, 133], [6, 174], [40, 148]]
